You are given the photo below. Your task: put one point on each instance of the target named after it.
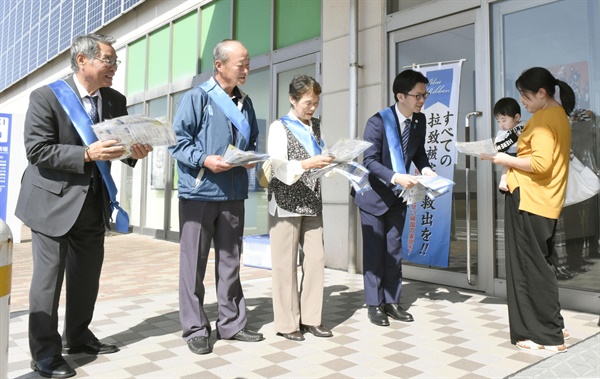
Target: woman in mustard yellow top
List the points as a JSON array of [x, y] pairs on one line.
[[537, 182]]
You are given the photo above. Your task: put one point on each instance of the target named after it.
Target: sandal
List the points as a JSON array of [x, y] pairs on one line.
[[530, 345], [557, 349], [566, 334]]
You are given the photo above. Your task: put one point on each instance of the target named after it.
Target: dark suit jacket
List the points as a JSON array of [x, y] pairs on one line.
[[378, 161], [56, 181]]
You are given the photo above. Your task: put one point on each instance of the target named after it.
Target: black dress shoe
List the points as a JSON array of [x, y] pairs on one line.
[[246, 335], [53, 367], [563, 274], [93, 348], [199, 345], [377, 316], [396, 312], [293, 336], [317, 331]]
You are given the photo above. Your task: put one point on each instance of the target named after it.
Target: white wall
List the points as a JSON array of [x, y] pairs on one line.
[[335, 108]]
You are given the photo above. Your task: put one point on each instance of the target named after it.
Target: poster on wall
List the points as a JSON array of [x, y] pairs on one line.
[[5, 129], [583, 128], [577, 75], [158, 175], [426, 235]]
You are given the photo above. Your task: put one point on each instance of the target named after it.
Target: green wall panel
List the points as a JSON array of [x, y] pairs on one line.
[[158, 57], [185, 47], [253, 25], [136, 66], [216, 26], [296, 21]]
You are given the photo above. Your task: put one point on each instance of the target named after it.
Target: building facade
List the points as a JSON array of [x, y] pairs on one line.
[[354, 48]]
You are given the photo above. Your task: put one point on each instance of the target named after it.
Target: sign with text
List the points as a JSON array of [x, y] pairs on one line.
[[426, 235]]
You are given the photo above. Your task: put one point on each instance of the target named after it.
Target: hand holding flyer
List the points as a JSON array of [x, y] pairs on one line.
[[428, 186], [237, 157], [344, 151], [136, 129]]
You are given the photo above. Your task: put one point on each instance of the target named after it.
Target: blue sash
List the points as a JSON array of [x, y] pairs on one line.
[[393, 139], [306, 138], [216, 93], [83, 124]]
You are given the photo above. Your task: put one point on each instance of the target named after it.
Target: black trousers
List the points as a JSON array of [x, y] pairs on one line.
[[531, 285], [78, 254]]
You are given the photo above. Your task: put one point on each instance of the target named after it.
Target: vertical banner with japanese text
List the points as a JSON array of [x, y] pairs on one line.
[[5, 126], [426, 235]]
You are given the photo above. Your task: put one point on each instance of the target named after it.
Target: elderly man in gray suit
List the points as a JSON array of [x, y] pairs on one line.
[[67, 197]]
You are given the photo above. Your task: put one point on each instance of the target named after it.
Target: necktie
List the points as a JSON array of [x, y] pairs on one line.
[[94, 111], [405, 136], [95, 182]]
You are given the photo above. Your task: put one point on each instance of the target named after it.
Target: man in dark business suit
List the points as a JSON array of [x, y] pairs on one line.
[[398, 137], [64, 200]]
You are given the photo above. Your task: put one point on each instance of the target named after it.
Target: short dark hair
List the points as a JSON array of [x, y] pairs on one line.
[[507, 106], [301, 84], [407, 80]]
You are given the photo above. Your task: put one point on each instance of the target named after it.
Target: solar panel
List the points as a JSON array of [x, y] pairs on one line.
[[112, 9], [94, 15], [42, 46], [54, 21], [34, 32], [66, 25]]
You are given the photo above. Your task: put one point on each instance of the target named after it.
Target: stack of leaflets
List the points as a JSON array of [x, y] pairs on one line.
[[428, 186], [343, 153], [237, 157]]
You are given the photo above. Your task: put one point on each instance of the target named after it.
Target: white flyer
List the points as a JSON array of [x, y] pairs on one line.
[[345, 150], [477, 148]]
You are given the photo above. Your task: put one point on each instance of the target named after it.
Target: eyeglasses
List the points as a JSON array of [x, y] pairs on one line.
[[419, 96], [109, 62]]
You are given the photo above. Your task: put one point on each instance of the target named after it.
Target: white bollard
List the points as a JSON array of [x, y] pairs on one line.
[[6, 244]]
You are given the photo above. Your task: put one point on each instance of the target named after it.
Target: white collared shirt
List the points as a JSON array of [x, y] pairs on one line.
[[87, 102], [401, 120], [285, 170]]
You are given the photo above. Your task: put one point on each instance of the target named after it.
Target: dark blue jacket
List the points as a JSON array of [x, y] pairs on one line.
[[202, 129]]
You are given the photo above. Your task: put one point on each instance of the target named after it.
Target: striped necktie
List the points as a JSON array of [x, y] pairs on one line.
[[94, 111], [405, 136]]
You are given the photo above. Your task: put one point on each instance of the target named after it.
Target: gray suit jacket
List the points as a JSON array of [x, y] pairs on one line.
[[56, 181]]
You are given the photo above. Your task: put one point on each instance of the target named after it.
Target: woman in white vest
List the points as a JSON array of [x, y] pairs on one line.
[[295, 214]]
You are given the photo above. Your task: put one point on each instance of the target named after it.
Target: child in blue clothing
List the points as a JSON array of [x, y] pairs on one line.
[[508, 116]]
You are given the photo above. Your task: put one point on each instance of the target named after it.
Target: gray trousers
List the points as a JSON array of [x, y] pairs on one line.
[[200, 223], [78, 255]]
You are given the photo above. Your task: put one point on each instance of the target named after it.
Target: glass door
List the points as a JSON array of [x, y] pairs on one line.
[[284, 72], [452, 39], [574, 57]]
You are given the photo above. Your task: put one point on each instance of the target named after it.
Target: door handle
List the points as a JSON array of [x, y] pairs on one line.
[[468, 194]]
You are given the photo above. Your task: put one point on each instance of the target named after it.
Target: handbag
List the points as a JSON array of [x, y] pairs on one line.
[[582, 183], [264, 174]]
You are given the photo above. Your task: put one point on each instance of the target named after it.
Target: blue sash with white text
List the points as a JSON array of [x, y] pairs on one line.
[[303, 135], [83, 124], [393, 139], [233, 113]]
